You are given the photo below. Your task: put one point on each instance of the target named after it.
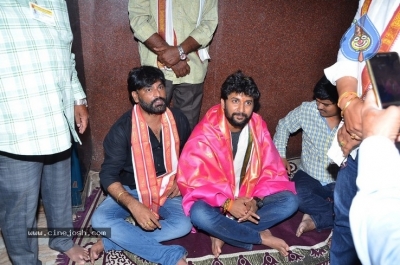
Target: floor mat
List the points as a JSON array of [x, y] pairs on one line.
[[311, 248]]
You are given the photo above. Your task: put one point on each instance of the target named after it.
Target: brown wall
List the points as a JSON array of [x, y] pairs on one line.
[[284, 45]]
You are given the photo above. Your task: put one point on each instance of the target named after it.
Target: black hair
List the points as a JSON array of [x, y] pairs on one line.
[[240, 83], [143, 76], [325, 90]]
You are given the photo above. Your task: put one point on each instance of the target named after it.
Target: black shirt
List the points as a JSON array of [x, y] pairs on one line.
[[117, 165]]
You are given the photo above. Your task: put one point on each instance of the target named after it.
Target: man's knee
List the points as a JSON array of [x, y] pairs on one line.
[[98, 218], [292, 201], [184, 226], [198, 214]]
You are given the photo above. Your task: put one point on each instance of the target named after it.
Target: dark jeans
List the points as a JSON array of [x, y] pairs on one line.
[[342, 250], [314, 199], [277, 207]]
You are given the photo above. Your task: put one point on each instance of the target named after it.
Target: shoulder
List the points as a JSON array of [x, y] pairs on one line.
[[257, 119], [182, 124], [122, 126], [310, 108], [309, 104], [124, 120], [177, 113], [306, 107], [180, 118], [258, 124]]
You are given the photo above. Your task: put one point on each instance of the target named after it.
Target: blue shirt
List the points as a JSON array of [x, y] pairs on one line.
[[316, 139]]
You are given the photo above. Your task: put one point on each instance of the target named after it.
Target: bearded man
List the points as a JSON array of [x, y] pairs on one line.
[[234, 183], [138, 172]]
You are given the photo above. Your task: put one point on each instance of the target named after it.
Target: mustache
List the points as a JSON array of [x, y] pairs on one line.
[[159, 98], [240, 114]]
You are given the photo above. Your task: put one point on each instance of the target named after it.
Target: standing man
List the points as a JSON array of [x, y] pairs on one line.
[[38, 90], [231, 168], [319, 120], [174, 36], [138, 172], [351, 77], [375, 211]]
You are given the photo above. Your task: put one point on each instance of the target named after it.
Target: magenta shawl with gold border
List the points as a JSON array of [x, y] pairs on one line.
[[205, 167]]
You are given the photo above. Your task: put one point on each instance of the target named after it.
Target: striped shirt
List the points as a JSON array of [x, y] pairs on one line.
[[38, 80], [316, 139]]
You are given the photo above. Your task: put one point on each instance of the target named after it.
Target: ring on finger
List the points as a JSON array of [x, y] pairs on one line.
[[342, 143]]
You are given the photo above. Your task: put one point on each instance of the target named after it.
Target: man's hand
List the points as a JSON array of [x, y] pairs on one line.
[[251, 215], [380, 122], [143, 216], [346, 142], [174, 191], [181, 69], [168, 55], [81, 117], [286, 164], [244, 210]]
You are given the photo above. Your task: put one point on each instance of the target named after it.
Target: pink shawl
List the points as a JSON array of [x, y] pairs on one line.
[[205, 168]]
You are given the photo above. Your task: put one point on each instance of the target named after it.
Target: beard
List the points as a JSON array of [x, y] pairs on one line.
[[235, 123], [153, 107]]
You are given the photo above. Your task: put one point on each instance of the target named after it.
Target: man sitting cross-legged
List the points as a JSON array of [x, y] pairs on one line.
[[141, 155], [233, 181], [314, 181]]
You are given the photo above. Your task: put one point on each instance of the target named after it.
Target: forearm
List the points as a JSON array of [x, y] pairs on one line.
[[190, 45], [121, 195], [156, 43], [345, 84], [76, 85], [280, 140], [287, 125]]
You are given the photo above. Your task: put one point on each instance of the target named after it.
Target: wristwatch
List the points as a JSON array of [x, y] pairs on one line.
[[259, 202], [81, 101], [182, 54]]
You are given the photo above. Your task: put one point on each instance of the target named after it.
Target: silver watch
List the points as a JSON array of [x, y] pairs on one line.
[[182, 54], [81, 101]]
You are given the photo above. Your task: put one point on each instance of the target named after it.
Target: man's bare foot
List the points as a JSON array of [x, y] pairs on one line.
[[216, 246], [95, 250], [269, 240], [307, 224], [78, 254]]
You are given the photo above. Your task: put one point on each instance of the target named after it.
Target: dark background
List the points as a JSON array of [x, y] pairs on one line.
[[284, 45]]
